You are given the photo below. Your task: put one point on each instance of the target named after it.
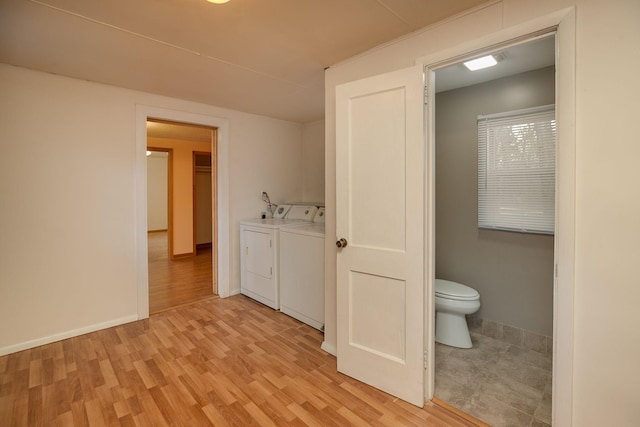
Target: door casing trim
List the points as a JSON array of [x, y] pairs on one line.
[[144, 112], [563, 23]]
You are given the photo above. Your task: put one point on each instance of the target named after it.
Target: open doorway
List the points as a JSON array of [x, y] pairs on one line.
[[178, 273], [505, 378]]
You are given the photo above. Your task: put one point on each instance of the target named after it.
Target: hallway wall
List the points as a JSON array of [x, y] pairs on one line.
[[68, 245], [602, 304], [157, 192]]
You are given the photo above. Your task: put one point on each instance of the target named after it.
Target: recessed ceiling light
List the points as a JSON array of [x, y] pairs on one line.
[[218, 1], [480, 63]]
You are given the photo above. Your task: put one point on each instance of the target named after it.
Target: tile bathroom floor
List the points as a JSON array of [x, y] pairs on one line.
[[496, 382]]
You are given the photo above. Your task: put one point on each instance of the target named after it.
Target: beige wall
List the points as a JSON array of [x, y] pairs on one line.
[[604, 350], [68, 248], [513, 272], [157, 193], [182, 171], [313, 161]]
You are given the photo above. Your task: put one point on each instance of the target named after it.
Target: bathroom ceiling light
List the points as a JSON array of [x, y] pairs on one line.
[[480, 63], [218, 1]]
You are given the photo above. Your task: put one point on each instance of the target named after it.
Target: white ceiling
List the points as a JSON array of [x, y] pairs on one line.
[[516, 59], [259, 56]]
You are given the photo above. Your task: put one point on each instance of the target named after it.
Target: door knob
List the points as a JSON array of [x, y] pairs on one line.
[[342, 243]]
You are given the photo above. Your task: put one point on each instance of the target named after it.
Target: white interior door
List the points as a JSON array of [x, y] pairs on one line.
[[380, 158]]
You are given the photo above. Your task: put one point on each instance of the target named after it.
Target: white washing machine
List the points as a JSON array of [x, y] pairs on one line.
[[259, 256], [302, 271]]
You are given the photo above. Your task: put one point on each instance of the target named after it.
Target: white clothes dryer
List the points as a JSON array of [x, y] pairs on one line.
[[259, 256], [302, 271]]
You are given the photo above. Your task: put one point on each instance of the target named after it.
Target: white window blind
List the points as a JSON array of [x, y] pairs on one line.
[[516, 170]]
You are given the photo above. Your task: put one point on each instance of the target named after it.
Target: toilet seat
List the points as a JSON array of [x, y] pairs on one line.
[[455, 291]]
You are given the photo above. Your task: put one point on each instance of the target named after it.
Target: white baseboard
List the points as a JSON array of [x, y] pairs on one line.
[[329, 348], [64, 335]]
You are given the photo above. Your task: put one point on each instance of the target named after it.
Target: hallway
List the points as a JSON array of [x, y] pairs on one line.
[[173, 283]]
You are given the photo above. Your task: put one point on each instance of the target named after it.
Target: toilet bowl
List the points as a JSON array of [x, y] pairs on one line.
[[453, 301]]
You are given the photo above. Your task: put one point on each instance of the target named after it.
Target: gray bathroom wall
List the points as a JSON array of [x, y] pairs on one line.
[[513, 272]]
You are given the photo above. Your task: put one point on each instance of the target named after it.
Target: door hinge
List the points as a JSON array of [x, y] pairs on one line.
[[425, 359], [426, 96]]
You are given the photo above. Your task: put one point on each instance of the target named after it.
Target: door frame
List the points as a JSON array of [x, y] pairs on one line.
[[563, 23], [143, 113]]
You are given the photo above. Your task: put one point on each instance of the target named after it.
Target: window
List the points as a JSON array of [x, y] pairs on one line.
[[516, 170]]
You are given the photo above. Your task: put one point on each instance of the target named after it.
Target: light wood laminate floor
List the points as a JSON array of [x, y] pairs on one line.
[[176, 282], [217, 362]]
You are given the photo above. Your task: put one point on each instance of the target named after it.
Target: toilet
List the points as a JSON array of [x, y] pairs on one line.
[[453, 302]]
